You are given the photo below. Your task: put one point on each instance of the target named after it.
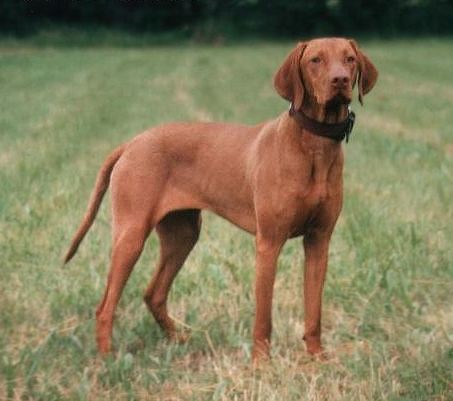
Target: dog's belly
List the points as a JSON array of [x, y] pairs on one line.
[[237, 212], [244, 219], [235, 208]]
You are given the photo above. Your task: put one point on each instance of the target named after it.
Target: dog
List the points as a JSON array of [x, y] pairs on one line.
[[276, 180]]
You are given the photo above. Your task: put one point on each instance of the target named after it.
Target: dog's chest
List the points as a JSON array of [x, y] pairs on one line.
[[311, 196], [308, 209]]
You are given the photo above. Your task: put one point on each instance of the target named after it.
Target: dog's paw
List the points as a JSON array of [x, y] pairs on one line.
[[321, 356], [104, 346], [261, 354], [178, 337]]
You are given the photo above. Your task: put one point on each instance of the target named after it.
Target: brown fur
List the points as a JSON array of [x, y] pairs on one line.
[[275, 180]]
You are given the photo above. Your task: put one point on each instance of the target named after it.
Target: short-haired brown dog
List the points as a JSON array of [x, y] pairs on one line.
[[277, 180]]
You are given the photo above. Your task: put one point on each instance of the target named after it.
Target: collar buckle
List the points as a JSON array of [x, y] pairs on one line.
[[349, 124]]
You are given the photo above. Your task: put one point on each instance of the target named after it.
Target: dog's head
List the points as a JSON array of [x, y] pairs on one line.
[[325, 71]]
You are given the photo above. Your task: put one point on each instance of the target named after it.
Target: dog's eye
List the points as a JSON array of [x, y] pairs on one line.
[[316, 60], [350, 59]]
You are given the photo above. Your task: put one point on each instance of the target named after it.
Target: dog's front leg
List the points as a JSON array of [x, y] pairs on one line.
[[316, 246], [267, 252]]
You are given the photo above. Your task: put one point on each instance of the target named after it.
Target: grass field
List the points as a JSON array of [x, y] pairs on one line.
[[388, 310]]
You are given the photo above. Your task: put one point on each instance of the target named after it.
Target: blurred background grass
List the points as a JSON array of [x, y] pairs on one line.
[[69, 95]]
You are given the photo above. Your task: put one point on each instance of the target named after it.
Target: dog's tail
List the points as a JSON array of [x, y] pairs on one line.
[[102, 183]]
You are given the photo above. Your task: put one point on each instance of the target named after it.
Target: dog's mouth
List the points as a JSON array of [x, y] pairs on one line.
[[340, 98]]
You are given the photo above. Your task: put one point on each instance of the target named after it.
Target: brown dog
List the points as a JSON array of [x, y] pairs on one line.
[[276, 180]]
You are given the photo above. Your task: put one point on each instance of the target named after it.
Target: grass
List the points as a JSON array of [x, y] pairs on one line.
[[388, 314]]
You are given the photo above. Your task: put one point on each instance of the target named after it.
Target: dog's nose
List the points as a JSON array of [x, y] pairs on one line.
[[340, 81]]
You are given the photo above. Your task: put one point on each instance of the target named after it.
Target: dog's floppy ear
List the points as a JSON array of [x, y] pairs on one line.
[[367, 73], [288, 79]]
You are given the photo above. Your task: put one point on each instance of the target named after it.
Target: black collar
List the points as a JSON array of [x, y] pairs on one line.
[[337, 132]]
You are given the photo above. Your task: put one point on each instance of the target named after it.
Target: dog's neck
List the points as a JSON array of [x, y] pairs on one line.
[[332, 113]]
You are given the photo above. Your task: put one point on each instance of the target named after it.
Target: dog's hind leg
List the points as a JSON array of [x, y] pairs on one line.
[[127, 246], [178, 232]]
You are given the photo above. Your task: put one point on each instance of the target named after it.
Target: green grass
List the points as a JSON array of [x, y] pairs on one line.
[[388, 312]]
